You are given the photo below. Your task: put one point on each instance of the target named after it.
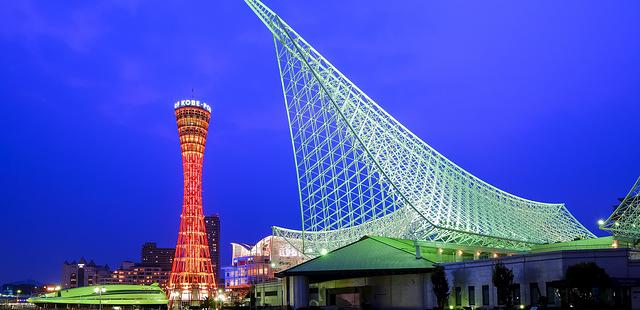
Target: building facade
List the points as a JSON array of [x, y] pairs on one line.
[[542, 274], [212, 226], [152, 255], [254, 267], [389, 273], [154, 267], [140, 274], [83, 273], [248, 270], [258, 263]]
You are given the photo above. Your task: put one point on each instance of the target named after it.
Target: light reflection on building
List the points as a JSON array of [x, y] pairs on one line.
[[258, 263]]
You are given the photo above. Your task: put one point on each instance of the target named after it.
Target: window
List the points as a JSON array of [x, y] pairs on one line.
[[515, 294], [485, 295], [458, 296], [552, 294], [472, 295], [534, 293]]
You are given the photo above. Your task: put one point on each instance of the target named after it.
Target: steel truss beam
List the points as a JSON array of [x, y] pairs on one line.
[[361, 172], [624, 222]]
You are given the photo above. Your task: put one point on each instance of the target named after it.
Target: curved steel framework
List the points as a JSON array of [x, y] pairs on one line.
[[624, 222], [361, 172]]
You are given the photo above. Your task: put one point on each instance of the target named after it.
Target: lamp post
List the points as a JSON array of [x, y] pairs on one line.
[[220, 299], [18, 292], [99, 291]]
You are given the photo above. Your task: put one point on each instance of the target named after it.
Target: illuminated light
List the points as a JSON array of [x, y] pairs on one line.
[[192, 277], [404, 163], [600, 222], [450, 307], [440, 250], [495, 255], [478, 253], [459, 252], [273, 265], [100, 290], [521, 306], [192, 103], [324, 252], [616, 223]]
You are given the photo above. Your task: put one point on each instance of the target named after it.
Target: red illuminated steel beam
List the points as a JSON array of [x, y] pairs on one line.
[[192, 278]]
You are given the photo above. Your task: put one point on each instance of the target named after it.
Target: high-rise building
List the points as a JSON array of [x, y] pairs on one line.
[[152, 255], [79, 274], [212, 224], [192, 278]]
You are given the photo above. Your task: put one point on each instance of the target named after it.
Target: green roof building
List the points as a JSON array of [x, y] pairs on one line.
[[109, 296], [390, 273]]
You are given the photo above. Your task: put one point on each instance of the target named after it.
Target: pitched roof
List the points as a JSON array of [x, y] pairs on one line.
[[367, 256]]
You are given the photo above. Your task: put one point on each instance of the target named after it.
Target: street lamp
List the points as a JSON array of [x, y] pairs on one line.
[[18, 292], [220, 298], [99, 291]]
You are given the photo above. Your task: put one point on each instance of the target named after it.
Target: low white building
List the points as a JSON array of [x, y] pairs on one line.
[[388, 273]]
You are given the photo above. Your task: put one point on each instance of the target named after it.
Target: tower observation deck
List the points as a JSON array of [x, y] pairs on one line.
[[192, 277]]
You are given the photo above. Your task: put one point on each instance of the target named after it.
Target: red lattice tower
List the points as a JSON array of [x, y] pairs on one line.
[[192, 278]]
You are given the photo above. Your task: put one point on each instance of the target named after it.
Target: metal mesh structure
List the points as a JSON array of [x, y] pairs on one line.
[[192, 278], [624, 222], [361, 172]]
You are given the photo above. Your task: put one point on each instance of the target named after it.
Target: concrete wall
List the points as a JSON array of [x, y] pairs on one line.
[[415, 291], [268, 293], [382, 292], [533, 268]]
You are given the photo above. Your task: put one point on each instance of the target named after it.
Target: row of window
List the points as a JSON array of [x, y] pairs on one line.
[[191, 130], [192, 139], [471, 290], [192, 122], [192, 113], [534, 293]]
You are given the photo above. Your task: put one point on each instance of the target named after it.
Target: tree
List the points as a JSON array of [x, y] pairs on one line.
[[502, 278], [581, 279], [440, 285], [208, 303]]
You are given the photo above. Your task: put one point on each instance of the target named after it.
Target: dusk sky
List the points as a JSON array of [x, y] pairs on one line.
[[540, 98]]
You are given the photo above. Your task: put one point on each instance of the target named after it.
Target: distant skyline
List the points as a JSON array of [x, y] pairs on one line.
[[538, 98]]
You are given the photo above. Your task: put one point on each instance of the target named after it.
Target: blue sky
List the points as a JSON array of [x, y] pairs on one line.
[[539, 98]]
